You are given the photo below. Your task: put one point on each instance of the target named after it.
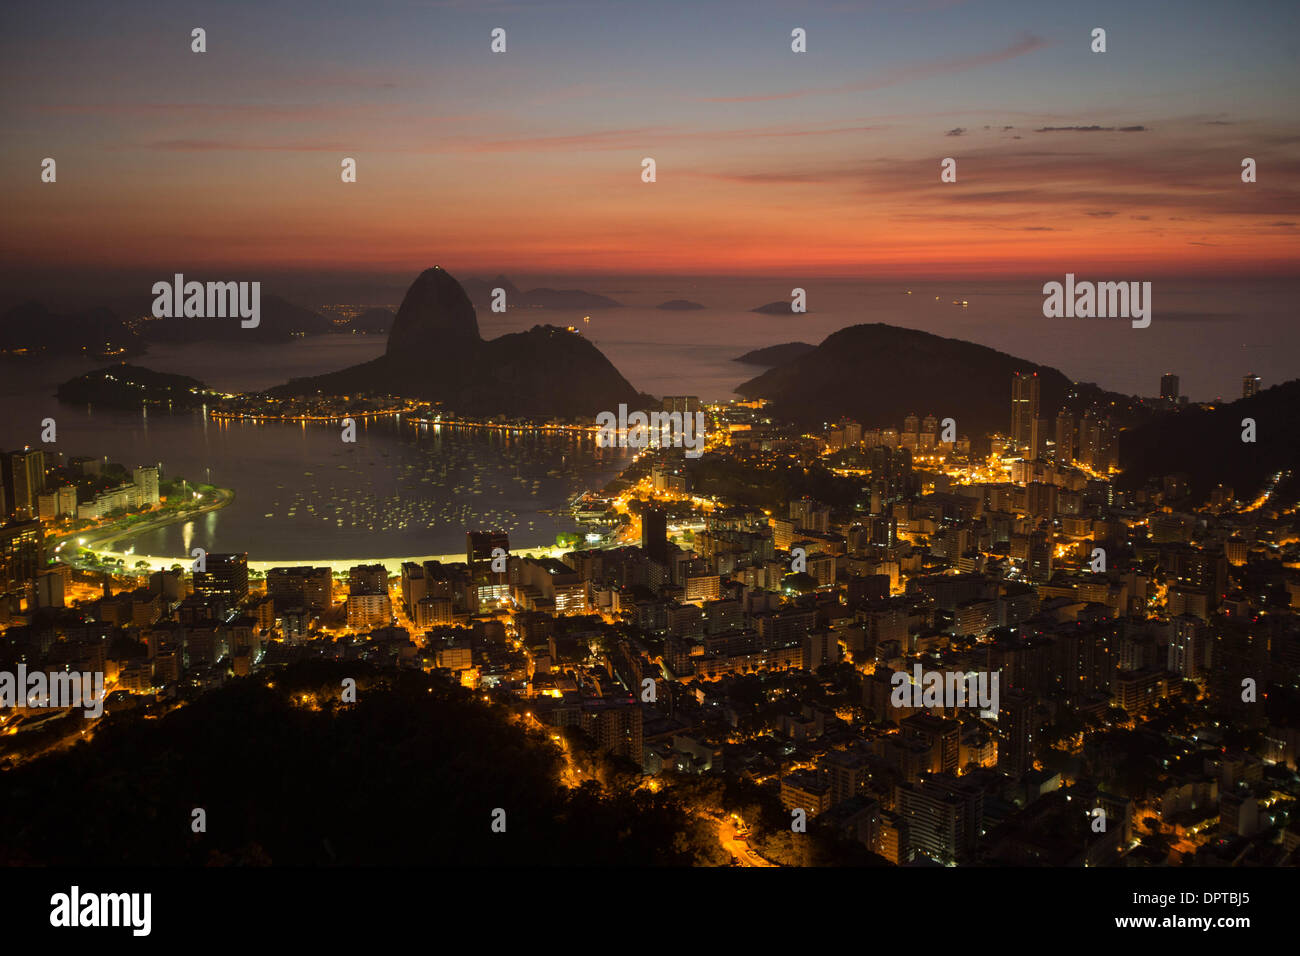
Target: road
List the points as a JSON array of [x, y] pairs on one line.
[[101, 539], [735, 844]]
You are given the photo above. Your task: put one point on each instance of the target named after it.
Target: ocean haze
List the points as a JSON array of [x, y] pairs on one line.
[[1209, 333]]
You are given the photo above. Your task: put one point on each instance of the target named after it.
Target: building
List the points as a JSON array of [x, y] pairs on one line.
[[1063, 452], [847, 775], [23, 476], [50, 587], [482, 548], [302, 586], [22, 555], [1016, 744], [1038, 557], [146, 479], [703, 587], [1186, 647], [941, 817], [685, 404], [805, 790], [1169, 387], [616, 729], [479, 546], [368, 579], [654, 535], [369, 610], [1024, 408], [942, 736], [1039, 430], [1250, 385], [225, 578], [433, 612]]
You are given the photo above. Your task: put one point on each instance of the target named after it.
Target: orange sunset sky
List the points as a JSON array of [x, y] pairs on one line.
[[825, 163]]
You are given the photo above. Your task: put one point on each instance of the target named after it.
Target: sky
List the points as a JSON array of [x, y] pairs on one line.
[[824, 163]]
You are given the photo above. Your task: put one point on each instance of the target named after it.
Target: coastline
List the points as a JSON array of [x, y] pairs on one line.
[[130, 558]]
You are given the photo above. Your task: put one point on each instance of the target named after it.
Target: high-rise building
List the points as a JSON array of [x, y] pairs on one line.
[[305, 587], [932, 821], [891, 476], [479, 546], [146, 480], [654, 534], [943, 817], [1024, 407], [1090, 441], [1186, 647], [23, 474], [1250, 385], [616, 728], [368, 579], [847, 774], [368, 610], [225, 578], [942, 736], [1016, 732], [68, 501], [1038, 560], [686, 404], [1038, 439], [1169, 387], [1064, 437], [22, 555], [481, 549]]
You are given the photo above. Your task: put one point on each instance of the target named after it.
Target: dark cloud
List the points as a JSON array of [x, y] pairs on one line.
[[1090, 129]]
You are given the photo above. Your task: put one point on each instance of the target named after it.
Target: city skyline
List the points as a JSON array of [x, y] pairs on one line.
[[478, 434]]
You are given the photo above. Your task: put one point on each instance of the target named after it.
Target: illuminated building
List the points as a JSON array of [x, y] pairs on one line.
[[1024, 408]]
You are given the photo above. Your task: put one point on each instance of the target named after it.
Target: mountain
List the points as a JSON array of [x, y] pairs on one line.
[[1205, 444], [279, 321], [879, 374], [567, 299], [480, 293], [679, 305], [435, 353], [130, 386], [780, 307], [33, 328], [775, 355]]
